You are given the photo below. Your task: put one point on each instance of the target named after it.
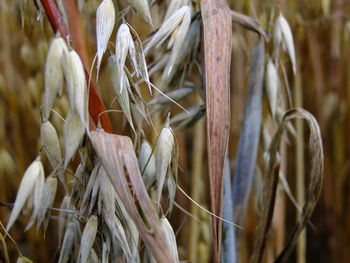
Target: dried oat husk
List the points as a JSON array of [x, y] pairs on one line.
[[147, 164], [30, 186], [105, 20], [271, 84], [170, 236], [54, 77], [88, 238], [142, 8], [48, 197], [122, 93], [283, 36], [166, 155], [73, 132], [70, 240], [50, 142]]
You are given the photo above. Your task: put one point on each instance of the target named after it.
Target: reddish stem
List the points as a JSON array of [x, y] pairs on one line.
[[96, 105]]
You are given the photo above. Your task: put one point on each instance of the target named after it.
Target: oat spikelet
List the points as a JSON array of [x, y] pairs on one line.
[[80, 90], [147, 164], [48, 197], [73, 132], [170, 237], [163, 154], [88, 238], [105, 20], [71, 236], [50, 142], [121, 87], [53, 74], [36, 197], [28, 184], [271, 83], [283, 34], [168, 27], [122, 46], [142, 8]]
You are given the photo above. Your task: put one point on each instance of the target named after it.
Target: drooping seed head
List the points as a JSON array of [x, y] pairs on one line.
[[30, 185]]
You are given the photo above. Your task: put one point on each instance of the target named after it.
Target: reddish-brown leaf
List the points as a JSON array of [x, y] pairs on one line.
[[217, 33]]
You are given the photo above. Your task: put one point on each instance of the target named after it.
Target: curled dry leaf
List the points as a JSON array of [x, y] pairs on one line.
[[50, 142], [119, 159], [53, 74], [314, 188], [88, 238], [30, 185], [105, 20], [147, 164]]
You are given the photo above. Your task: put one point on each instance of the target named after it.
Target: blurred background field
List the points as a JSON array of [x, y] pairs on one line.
[[321, 31]]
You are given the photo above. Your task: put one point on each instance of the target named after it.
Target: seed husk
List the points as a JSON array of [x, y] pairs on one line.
[[28, 186], [163, 154], [122, 93], [48, 197], [73, 132], [170, 237], [142, 8], [283, 35], [50, 142], [271, 84], [105, 20], [147, 164], [53, 74], [88, 238]]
